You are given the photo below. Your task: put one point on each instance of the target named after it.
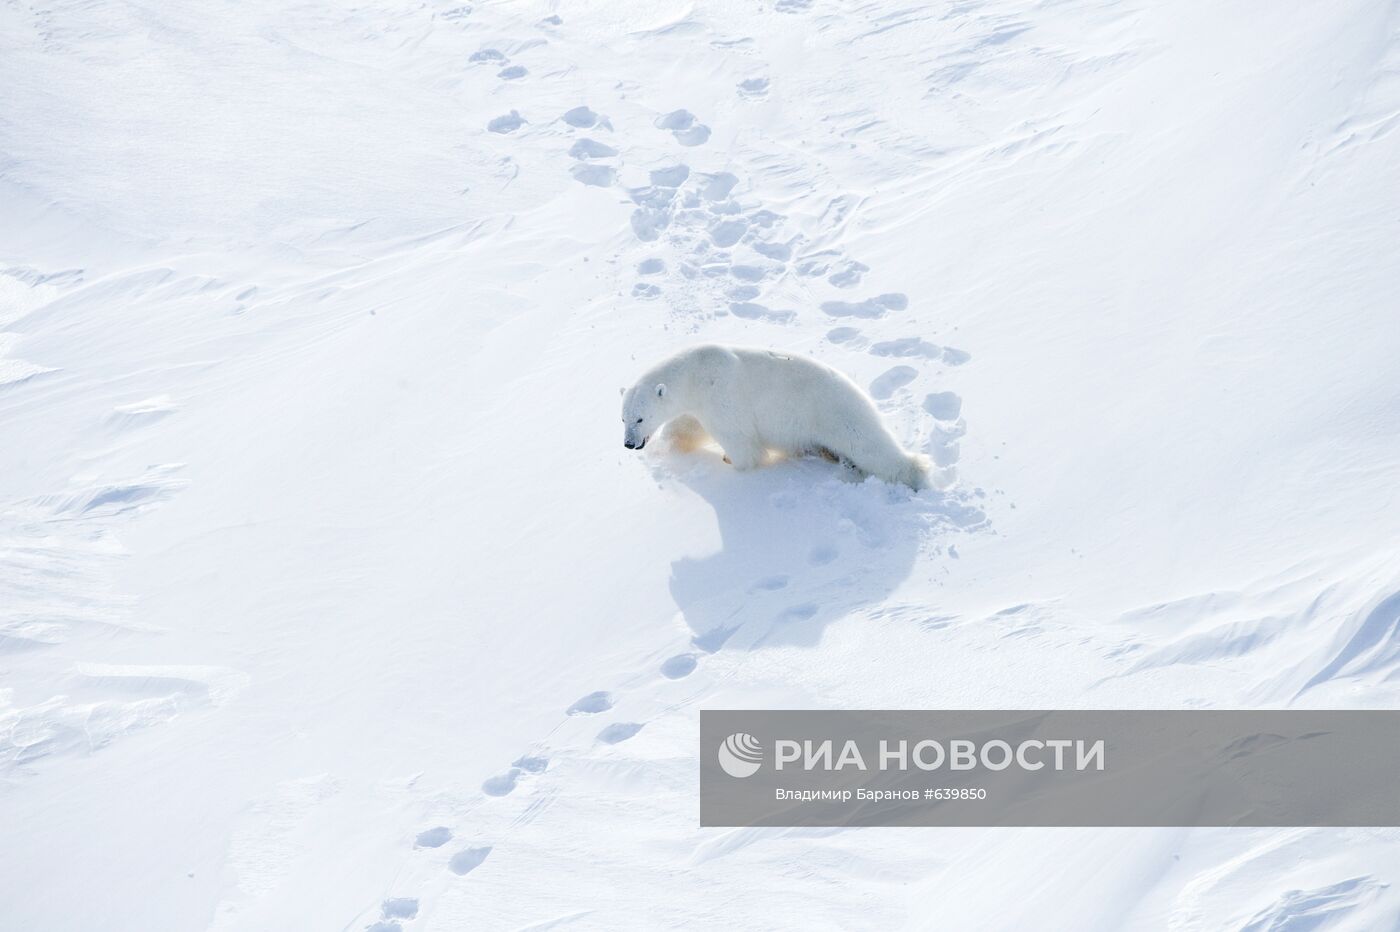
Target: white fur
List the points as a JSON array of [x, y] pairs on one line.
[[753, 402]]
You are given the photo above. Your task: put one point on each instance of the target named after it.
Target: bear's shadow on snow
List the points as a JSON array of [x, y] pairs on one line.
[[800, 548]]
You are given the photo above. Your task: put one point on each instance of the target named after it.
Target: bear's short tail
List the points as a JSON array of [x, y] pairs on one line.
[[915, 472]]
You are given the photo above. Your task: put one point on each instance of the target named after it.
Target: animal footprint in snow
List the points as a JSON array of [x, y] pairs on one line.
[[753, 87], [822, 554], [678, 666], [684, 127], [676, 120], [844, 335], [582, 117], [886, 385], [905, 347], [797, 613], [619, 732], [433, 837], [695, 136], [591, 704], [400, 907], [818, 263], [726, 233], [504, 784], [532, 764], [779, 251], [769, 584], [513, 73], [748, 310], [946, 406], [849, 274], [467, 860], [487, 55], [600, 176], [506, 124], [647, 224], [501, 784], [871, 307]]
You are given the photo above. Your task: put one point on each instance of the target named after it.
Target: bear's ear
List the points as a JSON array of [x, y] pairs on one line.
[[661, 390]]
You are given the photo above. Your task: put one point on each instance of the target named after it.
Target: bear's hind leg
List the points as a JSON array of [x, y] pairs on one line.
[[886, 460], [850, 472]]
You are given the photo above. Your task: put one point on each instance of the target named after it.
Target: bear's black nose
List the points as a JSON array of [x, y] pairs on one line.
[[629, 444]]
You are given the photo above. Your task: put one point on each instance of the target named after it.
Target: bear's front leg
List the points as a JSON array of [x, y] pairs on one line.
[[684, 434]]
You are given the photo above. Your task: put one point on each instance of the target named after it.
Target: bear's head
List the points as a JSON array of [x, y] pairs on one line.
[[645, 407]]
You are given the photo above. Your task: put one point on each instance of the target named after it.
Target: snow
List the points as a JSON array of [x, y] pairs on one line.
[[329, 597]]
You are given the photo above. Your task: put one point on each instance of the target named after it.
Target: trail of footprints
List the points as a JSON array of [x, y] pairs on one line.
[[733, 251], [729, 250], [469, 857]]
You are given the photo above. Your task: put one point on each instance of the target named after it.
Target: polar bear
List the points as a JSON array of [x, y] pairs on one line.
[[753, 402]]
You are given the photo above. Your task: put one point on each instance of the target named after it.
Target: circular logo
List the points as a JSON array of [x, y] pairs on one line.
[[740, 755]]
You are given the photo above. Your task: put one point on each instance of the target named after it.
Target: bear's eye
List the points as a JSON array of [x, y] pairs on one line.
[[639, 420]]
